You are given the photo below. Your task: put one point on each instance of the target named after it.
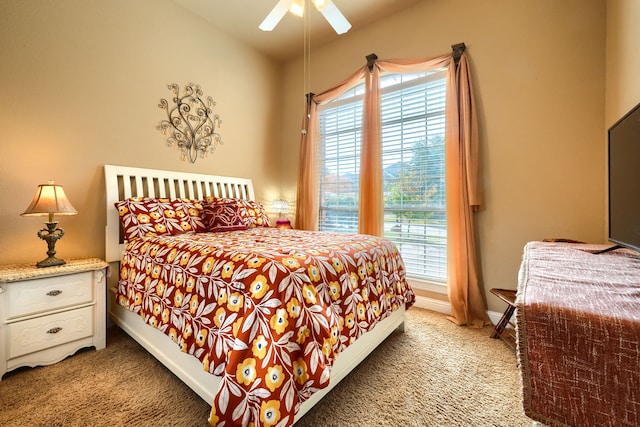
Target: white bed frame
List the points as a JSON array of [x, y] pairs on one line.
[[124, 182]]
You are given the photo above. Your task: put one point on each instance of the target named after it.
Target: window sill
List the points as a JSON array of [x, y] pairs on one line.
[[426, 285]]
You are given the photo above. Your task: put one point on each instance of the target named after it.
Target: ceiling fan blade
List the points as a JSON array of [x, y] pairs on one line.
[[334, 17], [275, 15]]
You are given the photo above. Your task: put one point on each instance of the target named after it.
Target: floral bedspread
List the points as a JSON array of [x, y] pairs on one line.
[[266, 309]]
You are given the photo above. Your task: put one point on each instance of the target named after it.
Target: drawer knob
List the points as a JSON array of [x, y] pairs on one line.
[[54, 293], [54, 330]]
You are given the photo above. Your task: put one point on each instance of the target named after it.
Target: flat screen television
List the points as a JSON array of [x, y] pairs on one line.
[[624, 180]]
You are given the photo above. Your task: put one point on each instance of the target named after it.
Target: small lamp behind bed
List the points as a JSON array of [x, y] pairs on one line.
[[281, 207], [49, 200]]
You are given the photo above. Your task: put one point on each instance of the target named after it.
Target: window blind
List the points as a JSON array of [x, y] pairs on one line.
[[412, 129]]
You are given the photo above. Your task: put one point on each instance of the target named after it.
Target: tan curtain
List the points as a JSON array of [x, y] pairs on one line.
[[371, 201], [462, 173], [307, 202], [463, 197]]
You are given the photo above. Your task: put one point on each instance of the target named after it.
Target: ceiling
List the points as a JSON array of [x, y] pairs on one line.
[[240, 19]]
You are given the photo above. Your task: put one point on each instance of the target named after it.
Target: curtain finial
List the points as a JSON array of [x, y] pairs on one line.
[[370, 60], [309, 96], [305, 127], [458, 49]]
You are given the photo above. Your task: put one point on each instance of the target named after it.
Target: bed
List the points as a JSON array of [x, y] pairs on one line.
[[260, 322]]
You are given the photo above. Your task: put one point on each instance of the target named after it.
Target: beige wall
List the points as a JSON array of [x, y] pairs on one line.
[[538, 71], [81, 81], [622, 60]]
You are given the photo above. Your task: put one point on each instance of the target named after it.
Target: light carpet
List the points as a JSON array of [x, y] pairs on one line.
[[433, 374]]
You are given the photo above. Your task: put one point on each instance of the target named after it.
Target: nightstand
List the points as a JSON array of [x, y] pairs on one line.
[[47, 314]]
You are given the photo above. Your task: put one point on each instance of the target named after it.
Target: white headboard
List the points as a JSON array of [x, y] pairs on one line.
[[123, 182]]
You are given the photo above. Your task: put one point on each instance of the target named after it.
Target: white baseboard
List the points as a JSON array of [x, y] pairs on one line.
[[433, 304], [445, 308]]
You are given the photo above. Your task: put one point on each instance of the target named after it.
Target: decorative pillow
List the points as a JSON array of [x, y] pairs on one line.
[[223, 217], [253, 213], [144, 216]]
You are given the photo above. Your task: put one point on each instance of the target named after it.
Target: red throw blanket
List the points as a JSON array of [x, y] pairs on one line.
[[578, 324], [266, 309]]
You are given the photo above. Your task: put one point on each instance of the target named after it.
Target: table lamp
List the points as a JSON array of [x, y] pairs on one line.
[[50, 200], [281, 207]]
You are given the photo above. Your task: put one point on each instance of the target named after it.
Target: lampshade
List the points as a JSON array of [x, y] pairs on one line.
[[280, 206], [50, 199]]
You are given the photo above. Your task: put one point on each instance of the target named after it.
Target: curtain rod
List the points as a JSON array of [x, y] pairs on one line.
[[457, 48]]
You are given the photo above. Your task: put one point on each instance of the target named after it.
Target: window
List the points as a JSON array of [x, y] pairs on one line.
[[413, 124]]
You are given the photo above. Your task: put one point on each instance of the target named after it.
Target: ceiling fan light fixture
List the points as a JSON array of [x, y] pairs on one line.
[[297, 8], [320, 4], [327, 8]]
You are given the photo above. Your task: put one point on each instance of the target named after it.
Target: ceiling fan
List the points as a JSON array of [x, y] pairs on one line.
[[328, 9]]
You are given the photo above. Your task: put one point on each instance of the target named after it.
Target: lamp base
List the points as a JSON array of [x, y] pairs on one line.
[[283, 223], [50, 262], [51, 234]]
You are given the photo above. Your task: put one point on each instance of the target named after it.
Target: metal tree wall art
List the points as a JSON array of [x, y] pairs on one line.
[[190, 122]]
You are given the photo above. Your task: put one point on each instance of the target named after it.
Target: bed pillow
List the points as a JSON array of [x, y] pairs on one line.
[[145, 216], [256, 215], [223, 217], [253, 213]]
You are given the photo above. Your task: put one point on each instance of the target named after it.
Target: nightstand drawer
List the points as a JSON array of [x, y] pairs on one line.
[[32, 335], [49, 293]]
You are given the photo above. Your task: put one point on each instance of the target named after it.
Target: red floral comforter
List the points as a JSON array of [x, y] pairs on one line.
[[266, 309]]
